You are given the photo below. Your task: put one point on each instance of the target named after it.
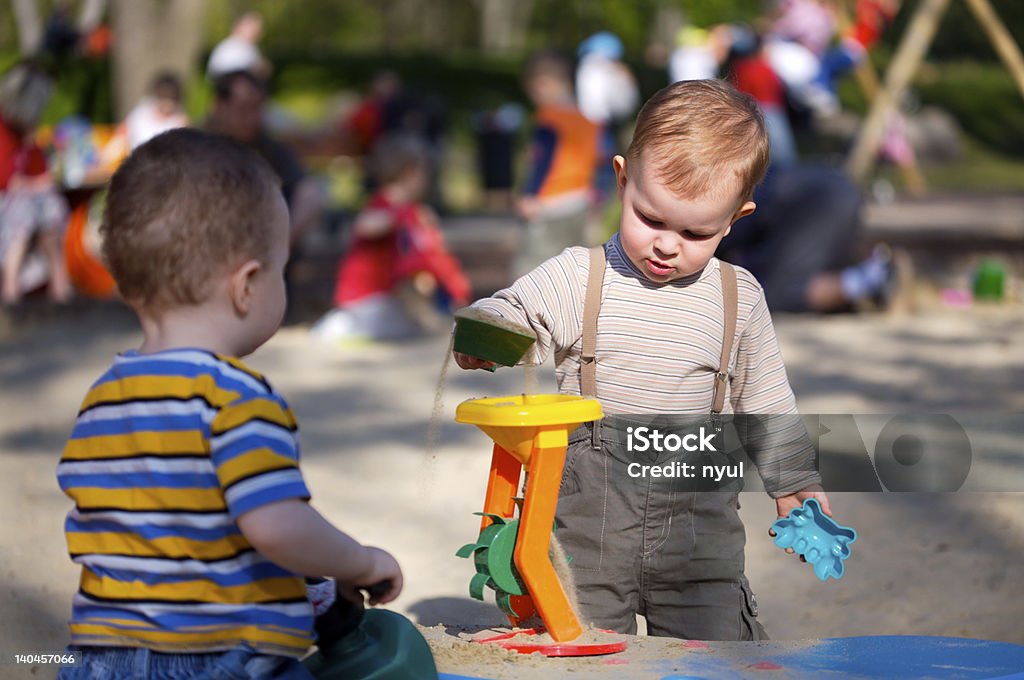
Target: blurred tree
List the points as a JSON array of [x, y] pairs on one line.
[[153, 35], [504, 25], [30, 28], [667, 21], [91, 14]]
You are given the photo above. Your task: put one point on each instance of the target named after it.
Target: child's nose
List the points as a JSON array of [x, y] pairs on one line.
[[666, 246]]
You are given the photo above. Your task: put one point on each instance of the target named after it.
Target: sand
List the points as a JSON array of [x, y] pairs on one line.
[[924, 564], [456, 652]]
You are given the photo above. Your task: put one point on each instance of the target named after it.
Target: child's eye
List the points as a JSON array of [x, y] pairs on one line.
[[696, 237], [647, 220]]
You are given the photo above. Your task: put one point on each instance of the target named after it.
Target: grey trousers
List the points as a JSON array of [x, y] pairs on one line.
[[648, 547]]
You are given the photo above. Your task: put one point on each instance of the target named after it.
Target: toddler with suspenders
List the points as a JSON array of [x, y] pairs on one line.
[[659, 330]]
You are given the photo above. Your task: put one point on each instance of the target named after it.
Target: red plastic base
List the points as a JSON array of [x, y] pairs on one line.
[[513, 641]]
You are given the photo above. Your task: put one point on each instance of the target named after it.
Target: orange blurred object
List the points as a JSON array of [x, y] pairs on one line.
[[98, 41], [86, 270]]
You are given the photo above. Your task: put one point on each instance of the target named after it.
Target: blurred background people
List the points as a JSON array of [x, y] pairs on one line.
[[159, 111], [421, 114], [397, 278], [699, 53], [801, 243], [607, 94], [391, 108], [799, 34], [750, 70], [365, 124], [240, 50], [561, 160], [33, 213], [497, 131], [238, 110]]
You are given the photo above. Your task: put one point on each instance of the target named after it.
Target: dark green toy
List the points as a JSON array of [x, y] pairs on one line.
[[359, 644], [490, 337]]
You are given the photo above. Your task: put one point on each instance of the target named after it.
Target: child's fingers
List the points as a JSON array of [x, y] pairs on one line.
[[789, 551], [825, 506], [379, 591], [389, 596], [385, 591], [470, 362], [349, 592], [386, 582]]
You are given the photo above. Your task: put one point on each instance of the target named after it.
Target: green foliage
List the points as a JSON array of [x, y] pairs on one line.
[[709, 12], [370, 25], [466, 82], [981, 170], [984, 100], [960, 35], [566, 24], [348, 25]]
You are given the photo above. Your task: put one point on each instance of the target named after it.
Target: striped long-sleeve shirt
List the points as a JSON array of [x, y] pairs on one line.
[[659, 346], [168, 451]]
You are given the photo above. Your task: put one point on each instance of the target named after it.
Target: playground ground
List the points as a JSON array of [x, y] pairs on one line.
[[925, 564]]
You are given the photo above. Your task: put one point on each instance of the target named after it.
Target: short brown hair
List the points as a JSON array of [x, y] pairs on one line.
[[396, 154], [697, 131], [185, 205]]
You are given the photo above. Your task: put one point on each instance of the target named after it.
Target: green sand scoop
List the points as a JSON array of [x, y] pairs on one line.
[[368, 644], [489, 337]]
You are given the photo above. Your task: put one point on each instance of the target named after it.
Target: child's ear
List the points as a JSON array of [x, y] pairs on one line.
[[619, 164], [745, 209], [241, 285]]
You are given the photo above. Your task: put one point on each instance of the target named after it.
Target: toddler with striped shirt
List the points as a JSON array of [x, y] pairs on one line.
[[191, 518], [653, 325]]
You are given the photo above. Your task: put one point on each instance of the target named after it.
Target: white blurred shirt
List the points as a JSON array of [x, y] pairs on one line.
[[233, 54], [145, 122], [605, 89], [692, 63]]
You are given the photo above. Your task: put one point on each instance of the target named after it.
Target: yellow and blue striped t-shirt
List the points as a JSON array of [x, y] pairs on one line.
[[168, 451]]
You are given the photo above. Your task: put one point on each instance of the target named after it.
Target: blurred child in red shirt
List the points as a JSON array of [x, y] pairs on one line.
[[397, 279]]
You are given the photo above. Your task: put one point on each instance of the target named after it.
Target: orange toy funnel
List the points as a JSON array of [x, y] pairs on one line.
[[531, 432]]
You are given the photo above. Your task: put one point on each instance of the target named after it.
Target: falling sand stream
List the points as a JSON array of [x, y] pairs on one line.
[[530, 383]]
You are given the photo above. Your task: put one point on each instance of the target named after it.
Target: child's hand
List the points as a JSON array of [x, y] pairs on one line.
[[384, 573], [424, 283], [373, 223], [785, 504], [470, 362], [528, 207]]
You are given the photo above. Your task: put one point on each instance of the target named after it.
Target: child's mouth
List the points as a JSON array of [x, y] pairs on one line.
[[658, 268]]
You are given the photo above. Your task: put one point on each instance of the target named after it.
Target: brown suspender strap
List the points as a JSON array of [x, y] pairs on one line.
[[591, 308], [729, 302]]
